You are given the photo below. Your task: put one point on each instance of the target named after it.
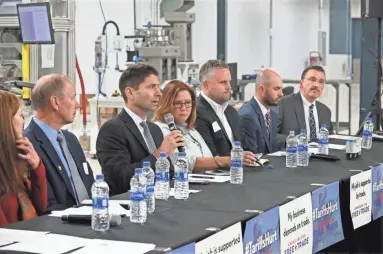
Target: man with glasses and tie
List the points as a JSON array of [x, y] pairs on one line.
[[69, 175], [258, 121], [127, 140], [302, 111]]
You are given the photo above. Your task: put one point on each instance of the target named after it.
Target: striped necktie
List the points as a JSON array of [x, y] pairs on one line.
[[313, 128]]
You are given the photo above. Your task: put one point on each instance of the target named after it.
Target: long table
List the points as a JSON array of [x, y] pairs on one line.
[[176, 223]]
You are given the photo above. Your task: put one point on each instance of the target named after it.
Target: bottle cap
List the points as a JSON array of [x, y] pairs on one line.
[[138, 171], [237, 143], [181, 154], [303, 131], [100, 177], [146, 164], [323, 125], [162, 154]]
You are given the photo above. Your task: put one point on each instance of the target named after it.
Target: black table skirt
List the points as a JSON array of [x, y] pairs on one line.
[[176, 223]]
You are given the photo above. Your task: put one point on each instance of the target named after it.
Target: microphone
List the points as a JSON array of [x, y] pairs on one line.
[[169, 119], [115, 220]]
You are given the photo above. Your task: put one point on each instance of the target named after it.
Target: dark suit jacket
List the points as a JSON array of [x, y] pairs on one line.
[[291, 115], [121, 148], [218, 142], [255, 136], [60, 191]]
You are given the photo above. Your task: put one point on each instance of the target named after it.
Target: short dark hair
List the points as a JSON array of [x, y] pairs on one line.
[[134, 75], [313, 67], [208, 67]]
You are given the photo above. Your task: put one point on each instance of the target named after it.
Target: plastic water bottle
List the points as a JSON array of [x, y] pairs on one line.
[[323, 140], [303, 149], [181, 182], [138, 211], [162, 188], [100, 204], [368, 129], [236, 164], [291, 150], [150, 198]]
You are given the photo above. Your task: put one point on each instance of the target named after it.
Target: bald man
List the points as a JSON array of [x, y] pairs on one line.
[[258, 122], [69, 175]]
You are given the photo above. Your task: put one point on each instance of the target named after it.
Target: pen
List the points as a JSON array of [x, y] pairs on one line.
[[203, 177]]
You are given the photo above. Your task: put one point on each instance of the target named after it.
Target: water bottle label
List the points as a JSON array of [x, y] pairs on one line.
[[137, 196], [291, 149], [181, 176], [100, 203], [367, 133], [149, 189], [323, 141], [162, 177], [235, 163], [302, 148]]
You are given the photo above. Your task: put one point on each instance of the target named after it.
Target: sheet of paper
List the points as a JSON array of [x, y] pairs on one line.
[[13, 235], [97, 246], [114, 208], [120, 202], [342, 137], [2, 243], [171, 193], [47, 56], [330, 146], [377, 136], [209, 178], [278, 154], [48, 244]]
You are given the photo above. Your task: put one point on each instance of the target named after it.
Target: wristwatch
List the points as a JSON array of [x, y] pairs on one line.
[[216, 158]]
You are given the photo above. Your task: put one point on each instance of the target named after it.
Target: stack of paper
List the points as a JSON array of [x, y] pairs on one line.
[[97, 246], [48, 244], [12, 235], [114, 208]]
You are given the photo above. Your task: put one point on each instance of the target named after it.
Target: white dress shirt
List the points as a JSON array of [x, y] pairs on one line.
[[306, 107], [263, 109], [220, 111], [137, 120]]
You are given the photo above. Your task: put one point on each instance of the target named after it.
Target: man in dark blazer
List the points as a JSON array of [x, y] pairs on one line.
[[69, 175], [258, 121], [217, 121], [302, 111], [127, 140]]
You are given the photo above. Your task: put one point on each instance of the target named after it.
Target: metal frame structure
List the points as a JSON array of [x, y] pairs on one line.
[[60, 24]]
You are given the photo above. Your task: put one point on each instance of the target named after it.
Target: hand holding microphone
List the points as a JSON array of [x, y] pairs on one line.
[[169, 119]]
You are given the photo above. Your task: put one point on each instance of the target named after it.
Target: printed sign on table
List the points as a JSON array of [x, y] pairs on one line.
[[327, 222], [296, 226], [262, 233], [360, 198], [377, 192], [186, 249], [228, 241]]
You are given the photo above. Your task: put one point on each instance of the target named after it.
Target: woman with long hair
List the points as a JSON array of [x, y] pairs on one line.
[[180, 100], [23, 186]]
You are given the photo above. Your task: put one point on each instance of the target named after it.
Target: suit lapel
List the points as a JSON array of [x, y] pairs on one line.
[[261, 119], [300, 112], [48, 148], [232, 126], [132, 127], [156, 138], [321, 115], [211, 111]]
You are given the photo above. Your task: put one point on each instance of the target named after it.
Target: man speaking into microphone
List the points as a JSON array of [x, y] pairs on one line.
[[177, 111], [128, 139]]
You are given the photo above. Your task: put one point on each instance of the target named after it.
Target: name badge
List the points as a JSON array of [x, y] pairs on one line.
[[216, 127], [85, 166]]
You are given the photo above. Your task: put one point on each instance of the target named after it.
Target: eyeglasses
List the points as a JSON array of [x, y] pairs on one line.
[[179, 104]]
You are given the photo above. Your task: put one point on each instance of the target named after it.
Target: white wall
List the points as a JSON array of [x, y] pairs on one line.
[[294, 35]]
